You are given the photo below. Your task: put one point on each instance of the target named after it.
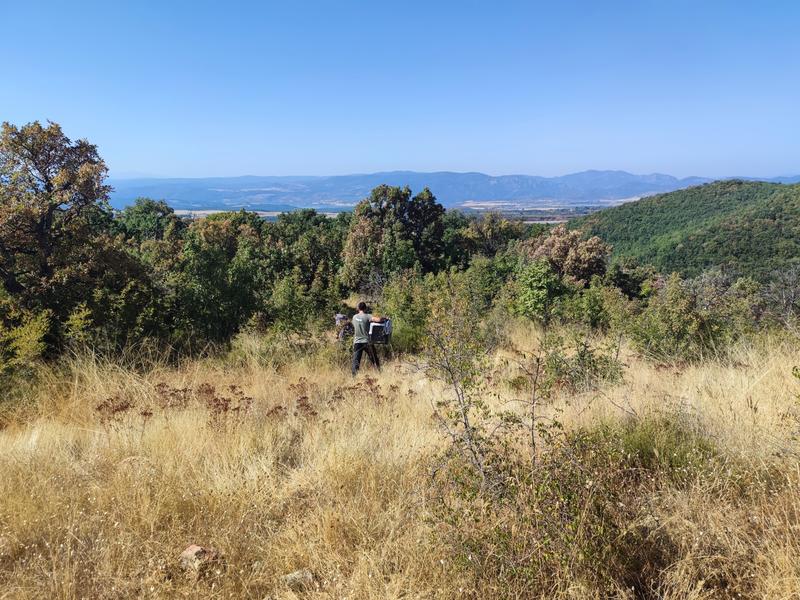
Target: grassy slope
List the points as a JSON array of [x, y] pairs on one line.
[[339, 481], [753, 227]]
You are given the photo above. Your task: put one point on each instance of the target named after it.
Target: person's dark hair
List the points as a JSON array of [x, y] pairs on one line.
[[362, 306]]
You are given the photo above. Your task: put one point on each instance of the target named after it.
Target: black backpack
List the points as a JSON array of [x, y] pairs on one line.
[[380, 333]]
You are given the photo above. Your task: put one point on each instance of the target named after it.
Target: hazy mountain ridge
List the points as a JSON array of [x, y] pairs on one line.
[[342, 191]]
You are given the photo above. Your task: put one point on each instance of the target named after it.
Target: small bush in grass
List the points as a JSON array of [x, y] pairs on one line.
[[24, 344], [690, 320], [669, 444], [550, 525], [273, 348], [539, 289], [568, 521], [670, 328], [456, 355], [580, 365]]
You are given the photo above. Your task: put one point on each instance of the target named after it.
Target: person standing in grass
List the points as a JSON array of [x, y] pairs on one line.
[[361, 343]]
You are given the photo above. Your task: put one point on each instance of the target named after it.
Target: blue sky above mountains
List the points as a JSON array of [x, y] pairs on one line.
[[193, 89]]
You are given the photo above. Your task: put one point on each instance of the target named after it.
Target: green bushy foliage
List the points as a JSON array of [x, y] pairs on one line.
[[668, 442], [456, 353], [559, 276], [579, 365], [588, 306], [220, 282], [392, 231], [405, 300], [752, 227], [455, 240], [539, 289], [631, 278], [671, 328], [148, 219], [290, 306], [487, 277], [23, 345], [686, 320]]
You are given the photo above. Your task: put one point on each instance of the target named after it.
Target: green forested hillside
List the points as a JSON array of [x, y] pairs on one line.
[[752, 227]]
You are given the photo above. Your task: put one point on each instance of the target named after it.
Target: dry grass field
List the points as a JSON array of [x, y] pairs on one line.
[[108, 473]]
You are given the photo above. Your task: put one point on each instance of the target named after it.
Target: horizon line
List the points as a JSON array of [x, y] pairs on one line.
[[450, 172]]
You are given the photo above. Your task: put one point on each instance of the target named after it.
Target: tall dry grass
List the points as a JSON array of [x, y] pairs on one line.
[[283, 467]]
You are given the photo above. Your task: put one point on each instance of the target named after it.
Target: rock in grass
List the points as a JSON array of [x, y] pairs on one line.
[[300, 580], [199, 561]]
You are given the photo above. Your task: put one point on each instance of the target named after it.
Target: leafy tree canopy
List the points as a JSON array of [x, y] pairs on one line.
[[52, 201], [392, 231]]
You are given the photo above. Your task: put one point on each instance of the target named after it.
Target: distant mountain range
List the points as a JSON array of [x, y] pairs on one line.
[[341, 192]]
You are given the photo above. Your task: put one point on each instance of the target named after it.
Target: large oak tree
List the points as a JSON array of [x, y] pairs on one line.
[[392, 231], [52, 199]]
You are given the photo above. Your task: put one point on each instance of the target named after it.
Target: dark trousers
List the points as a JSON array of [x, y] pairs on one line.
[[358, 350]]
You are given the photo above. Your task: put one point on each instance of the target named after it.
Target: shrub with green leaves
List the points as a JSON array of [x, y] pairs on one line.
[[148, 219], [291, 308], [688, 320], [539, 289], [563, 523], [671, 328], [26, 343], [579, 366], [456, 353], [405, 302], [588, 306]]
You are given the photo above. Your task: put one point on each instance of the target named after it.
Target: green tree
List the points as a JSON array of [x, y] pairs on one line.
[[308, 245], [148, 219], [53, 201], [487, 277], [59, 255], [539, 289], [456, 243], [392, 231], [290, 305], [491, 233], [405, 300], [222, 276]]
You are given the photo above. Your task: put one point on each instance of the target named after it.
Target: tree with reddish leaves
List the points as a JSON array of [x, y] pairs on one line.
[[52, 199]]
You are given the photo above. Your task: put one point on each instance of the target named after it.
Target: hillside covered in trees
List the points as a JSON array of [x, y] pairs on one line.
[[751, 228], [76, 273], [546, 424]]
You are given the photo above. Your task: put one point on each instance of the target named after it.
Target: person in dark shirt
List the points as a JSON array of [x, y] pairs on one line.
[[361, 344], [344, 327]]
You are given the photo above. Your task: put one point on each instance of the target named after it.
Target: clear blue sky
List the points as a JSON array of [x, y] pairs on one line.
[[280, 88]]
